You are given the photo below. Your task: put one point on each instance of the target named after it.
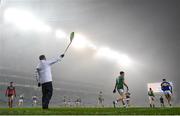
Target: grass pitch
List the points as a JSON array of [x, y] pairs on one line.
[[91, 111]]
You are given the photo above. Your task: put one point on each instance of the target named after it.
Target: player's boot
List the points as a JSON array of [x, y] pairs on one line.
[[114, 104], [124, 104], [150, 106], [170, 104]]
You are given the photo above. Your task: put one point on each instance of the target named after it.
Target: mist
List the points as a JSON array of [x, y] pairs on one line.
[[147, 31]]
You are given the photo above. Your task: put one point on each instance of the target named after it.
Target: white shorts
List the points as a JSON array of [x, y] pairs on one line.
[[69, 103], [21, 100], [11, 97], [167, 92], [127, 99], [34, 101], [77, 103], [151, 99], [121, 91]]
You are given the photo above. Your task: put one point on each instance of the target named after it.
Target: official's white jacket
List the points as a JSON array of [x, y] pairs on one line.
[[44, 70]]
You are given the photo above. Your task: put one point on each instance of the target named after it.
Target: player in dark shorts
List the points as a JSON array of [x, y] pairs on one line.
[[10, 93], [166, 87], [78, 102], [65, 101]]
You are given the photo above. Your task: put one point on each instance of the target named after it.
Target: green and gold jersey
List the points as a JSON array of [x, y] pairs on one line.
[[120, 82], [150, 93]]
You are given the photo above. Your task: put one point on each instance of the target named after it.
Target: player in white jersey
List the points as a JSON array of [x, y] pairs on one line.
[[21, 100], [100, 99], [34, 101]]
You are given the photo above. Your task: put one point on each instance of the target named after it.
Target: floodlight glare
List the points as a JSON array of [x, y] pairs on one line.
[[24, 20], [60, 34], [81, 42], [124, 60], [107, 53]]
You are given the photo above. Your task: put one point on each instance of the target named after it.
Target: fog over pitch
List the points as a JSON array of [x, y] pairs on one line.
[[147, 31]]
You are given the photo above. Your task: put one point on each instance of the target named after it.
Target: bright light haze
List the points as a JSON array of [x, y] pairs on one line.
[[140, 37]]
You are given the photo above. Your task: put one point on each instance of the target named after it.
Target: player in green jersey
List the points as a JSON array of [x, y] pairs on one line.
[[151, 98], [119, 86]]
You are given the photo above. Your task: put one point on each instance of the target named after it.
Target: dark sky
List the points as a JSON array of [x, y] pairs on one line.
[[147, 30]]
